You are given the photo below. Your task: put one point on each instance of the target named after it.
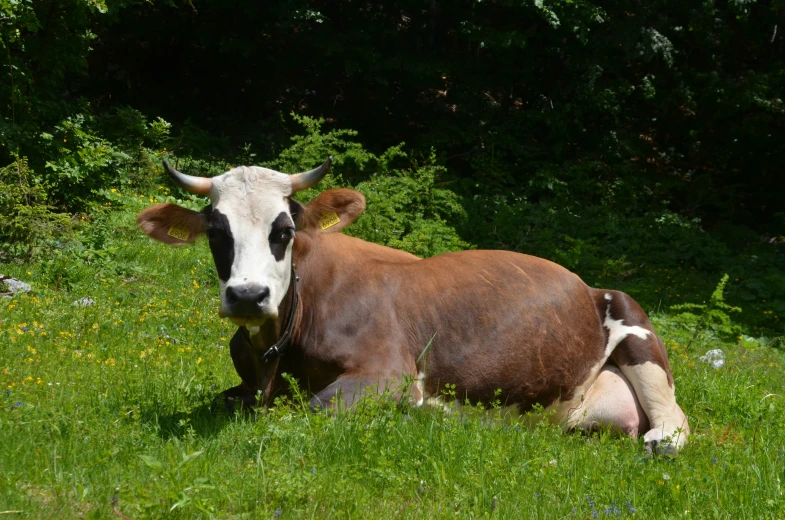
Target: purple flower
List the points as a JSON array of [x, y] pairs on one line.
[[278, 512], [24, 329]]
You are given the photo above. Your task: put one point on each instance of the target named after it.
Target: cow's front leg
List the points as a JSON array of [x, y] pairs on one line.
[[239, 395], [348, 388], [258, 376]]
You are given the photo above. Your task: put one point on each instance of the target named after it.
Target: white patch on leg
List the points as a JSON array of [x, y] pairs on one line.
[[618, 331]]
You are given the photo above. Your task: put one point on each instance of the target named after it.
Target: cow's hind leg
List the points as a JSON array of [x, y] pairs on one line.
[[610, 403], [642, 358]]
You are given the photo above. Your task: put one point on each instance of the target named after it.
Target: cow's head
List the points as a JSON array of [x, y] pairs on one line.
[[251, 226]]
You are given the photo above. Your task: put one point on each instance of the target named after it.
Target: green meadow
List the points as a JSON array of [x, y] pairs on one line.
[[107, 411]]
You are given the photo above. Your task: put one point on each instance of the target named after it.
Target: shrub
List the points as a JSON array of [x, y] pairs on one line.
[[80, 163], [713, 316], [27, 220], [405, 208]]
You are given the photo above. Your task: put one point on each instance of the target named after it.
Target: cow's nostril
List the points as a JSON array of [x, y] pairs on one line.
[[231, 296], [262, 296]]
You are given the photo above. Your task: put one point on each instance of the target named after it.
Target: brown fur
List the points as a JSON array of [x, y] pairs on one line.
[[347, 204], [493, 320], [156, 221]]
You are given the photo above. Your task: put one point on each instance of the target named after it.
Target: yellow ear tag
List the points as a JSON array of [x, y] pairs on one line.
[[328, 220], [178, 233]]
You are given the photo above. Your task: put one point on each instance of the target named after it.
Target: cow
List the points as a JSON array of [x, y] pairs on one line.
[[346, 317]]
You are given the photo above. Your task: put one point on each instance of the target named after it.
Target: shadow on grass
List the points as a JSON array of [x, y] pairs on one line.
[[205, 421]]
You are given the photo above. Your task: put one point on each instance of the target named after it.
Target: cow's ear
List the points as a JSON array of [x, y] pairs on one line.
[[331, 211], [172, 224]]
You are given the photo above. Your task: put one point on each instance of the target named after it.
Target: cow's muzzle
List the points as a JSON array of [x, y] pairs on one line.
[[247, 301]]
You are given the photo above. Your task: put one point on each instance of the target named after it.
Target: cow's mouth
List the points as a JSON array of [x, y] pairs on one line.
[[249, 321]]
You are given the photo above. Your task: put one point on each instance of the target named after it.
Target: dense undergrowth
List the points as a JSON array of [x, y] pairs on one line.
[[607, 226]]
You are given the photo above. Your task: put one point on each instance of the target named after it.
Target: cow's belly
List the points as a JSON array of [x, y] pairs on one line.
[[610, 402], [501, 321], [519, 375]]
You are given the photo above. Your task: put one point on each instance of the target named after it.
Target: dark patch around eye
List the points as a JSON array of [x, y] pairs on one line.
[[296, 209], [280, 235], [221, 243]]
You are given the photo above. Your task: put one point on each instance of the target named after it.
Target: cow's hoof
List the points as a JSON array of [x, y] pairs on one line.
[[656, 441], [239, 398]]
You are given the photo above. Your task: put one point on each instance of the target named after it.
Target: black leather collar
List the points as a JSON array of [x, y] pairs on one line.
[[282, 344]]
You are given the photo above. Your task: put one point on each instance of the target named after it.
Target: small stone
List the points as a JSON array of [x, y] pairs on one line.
[[12, 286], [715, 358]]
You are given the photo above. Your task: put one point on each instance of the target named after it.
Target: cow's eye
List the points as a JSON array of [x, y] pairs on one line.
[[287, 234]]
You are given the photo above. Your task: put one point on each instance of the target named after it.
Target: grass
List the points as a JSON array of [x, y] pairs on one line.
[[110, 406]]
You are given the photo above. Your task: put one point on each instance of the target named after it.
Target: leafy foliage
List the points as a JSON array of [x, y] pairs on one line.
[[27, 220], [409, 212], [713, 316], [405, 208]]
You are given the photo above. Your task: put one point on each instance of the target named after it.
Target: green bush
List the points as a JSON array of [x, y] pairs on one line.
[[27, 220], [80, 162], [405, 208], [407, 211]]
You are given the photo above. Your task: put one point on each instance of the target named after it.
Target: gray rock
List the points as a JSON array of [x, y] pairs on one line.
[[13, 286], [85, 301], [715, 358]]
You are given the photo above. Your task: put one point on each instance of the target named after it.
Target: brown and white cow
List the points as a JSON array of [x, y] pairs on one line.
[[355, 315]]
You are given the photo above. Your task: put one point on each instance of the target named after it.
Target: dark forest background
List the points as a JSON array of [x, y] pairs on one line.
[[640, 144]]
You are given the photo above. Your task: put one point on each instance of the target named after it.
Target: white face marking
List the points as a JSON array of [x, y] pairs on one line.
[[251, 198]]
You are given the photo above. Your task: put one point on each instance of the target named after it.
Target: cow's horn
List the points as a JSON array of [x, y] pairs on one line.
[[305, 180], [197, 185]]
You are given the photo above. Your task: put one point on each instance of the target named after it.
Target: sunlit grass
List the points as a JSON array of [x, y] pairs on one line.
[[110, 405]]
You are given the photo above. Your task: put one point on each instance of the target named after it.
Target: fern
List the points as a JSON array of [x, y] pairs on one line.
[[714, 316]]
